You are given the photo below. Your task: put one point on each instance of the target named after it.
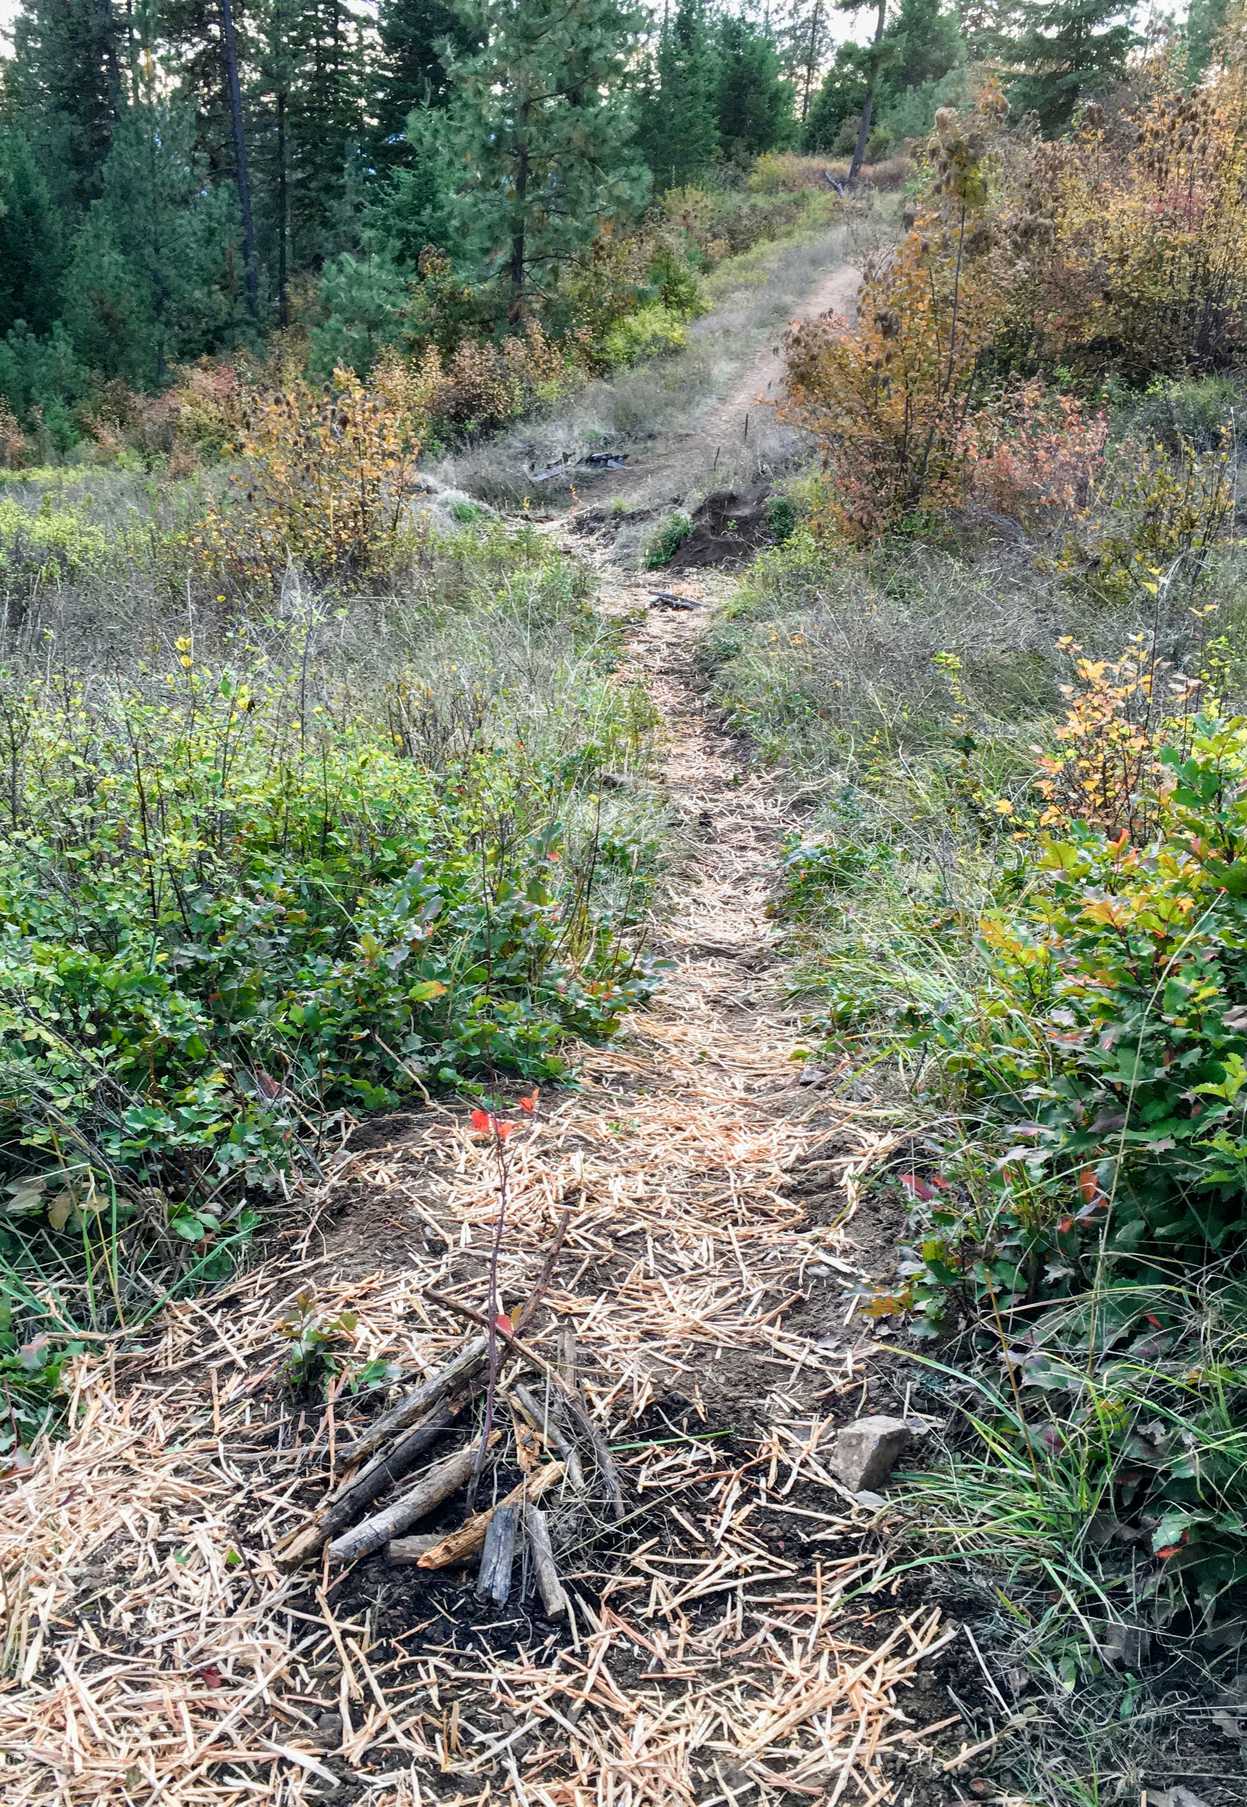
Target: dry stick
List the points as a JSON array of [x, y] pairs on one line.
[[430, 1393], [574, 1404], [550, 1433], [452, 1375], [433, 1486], [352, 1495], [549, 1586], [493, 1582], [406, 1550], [467, 1540]]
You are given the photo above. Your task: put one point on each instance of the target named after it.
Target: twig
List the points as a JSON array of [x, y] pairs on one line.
[[601, 1453], [467, 1540]]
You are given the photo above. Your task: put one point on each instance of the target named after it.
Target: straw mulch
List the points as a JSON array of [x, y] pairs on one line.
[[156, 1652]]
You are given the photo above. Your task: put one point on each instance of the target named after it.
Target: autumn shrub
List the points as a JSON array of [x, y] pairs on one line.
[[1034, 453], [889, 397], [15, 446], [322, 478]]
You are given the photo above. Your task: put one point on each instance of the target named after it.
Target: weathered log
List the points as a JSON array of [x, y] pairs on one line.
[[549, 1586], [449, 1378], [467, 1540], [493, 1581], [429, 1490], [350, 1497]]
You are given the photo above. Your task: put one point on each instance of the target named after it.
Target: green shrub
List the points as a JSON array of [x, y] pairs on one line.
[[40, 546], [650, 331], [667, 541]]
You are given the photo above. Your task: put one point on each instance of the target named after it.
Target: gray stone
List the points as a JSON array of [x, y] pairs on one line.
[[868, 1450]]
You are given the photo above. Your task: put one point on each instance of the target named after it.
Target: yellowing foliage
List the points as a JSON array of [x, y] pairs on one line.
[[1122, 248], [324, 476]]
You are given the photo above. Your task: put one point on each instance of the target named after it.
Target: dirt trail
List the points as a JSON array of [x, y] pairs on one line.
[[763, 383], [717, 1655]]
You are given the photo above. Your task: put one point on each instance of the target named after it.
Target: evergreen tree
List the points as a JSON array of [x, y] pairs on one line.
[[754, 101], [325, 126], [807, 37], [1069, 50], [838, 102], [410, 73], [541, 128], [876, 58], [678, 115], [1204, 24], [66, 88], [154, 275], [32, 250]]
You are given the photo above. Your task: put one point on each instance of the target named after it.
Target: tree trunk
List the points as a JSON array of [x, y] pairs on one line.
[[816, 19], [519, 219], [229, 49], [868, 105], [283, 215]]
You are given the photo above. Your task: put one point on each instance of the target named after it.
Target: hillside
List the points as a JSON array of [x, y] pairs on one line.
[[623, 1021]]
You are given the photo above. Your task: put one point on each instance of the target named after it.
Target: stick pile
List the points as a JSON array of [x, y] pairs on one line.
[[543, 1445]]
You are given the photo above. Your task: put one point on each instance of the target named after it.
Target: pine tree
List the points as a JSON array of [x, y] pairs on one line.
[[410, 71], [154, 275], [678, 125], [544, 136], [32, 250], [838, 102], [66, 88], [1068, 51], [754, 100], [875, 60], [325, 127], [808, 35]]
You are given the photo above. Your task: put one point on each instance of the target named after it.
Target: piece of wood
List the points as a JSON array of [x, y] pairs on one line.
[[406, 1550], [545, 1570], [550, 1432], [454, 1376], [350, 1497], [427, 1491], [493, 1581], [431, 1393], [467, 1540], [575, 1405]]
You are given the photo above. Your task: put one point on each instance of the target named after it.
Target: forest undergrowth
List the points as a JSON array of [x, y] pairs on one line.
[[1016, 713]]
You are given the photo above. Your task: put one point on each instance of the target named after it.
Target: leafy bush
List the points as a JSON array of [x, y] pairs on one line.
[[668, 539], [324, 477], [646, 333]]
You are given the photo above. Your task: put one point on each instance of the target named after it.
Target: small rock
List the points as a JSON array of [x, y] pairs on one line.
[[329, 1730], [868, 1450]]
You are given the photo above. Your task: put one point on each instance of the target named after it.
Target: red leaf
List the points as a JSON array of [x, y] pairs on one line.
[[503, 1130], [917, 1187], [529, 1104], [1167, 1550], [482, 1122], [211, 1676], [503, 1321], [1090, 1187]]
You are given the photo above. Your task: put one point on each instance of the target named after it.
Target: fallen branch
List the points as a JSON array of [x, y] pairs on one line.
[[351, 1496], [434, 1485], [549, 1586], [577, 1408], [493, 1581], [467, 1540]]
